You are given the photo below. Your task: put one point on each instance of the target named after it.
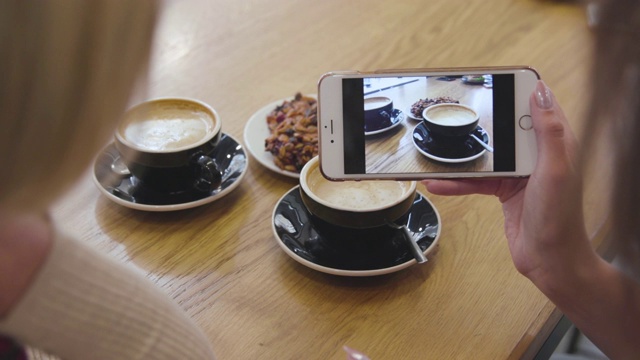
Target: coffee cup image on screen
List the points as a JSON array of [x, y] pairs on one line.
[[447, 127], [377, 113]]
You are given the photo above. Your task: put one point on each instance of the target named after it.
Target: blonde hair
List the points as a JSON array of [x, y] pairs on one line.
[[67, 68], [615, 111]]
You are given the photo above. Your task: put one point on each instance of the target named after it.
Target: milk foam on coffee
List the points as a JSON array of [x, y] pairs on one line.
[[168, 129], [451, 115], [375, 102], [356, 195]]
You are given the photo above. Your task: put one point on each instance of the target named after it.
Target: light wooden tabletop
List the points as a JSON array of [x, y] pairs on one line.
[[221, 261]]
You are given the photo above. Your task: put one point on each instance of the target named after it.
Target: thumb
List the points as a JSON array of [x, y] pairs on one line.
[[553, 135]]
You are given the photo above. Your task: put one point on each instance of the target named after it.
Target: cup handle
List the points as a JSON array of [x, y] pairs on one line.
[[209, 177]]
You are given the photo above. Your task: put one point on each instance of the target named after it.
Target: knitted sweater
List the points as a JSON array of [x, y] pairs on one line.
[[86, 305]]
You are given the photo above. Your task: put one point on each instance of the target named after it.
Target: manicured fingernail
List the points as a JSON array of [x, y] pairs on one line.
[[544, 99]]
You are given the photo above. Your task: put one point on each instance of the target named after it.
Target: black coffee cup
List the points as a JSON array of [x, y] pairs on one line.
[[354, 204], [167, 144], [378, 111], [452, 120]]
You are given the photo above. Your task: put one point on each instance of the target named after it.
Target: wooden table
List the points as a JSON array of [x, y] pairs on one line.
[[221, 261]]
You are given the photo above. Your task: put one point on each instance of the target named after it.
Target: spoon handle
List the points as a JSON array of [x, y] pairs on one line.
[[413, 246], [484, 145]]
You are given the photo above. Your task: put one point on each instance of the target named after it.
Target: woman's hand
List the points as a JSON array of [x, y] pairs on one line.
[[544, 223], [545, 229]]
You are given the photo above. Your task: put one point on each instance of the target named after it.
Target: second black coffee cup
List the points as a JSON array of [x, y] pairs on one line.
[[168, 143]]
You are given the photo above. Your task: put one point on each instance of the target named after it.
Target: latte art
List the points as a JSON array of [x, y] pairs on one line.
[[451, 115], [166, 134], [167, 129], [357, 195], [375, 103]]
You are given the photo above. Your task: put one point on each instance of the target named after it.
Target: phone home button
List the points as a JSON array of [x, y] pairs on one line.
[[525, 122]]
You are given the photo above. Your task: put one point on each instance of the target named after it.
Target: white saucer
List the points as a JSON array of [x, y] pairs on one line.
[[411, 116], [256, 131]]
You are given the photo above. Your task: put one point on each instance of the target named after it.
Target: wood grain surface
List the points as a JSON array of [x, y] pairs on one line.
[[221, 262]]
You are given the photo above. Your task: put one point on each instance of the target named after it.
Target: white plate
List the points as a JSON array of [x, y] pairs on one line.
[[256, 132], [410, 114]]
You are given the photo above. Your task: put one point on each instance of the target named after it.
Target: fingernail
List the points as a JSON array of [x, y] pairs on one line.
[[544, 99]]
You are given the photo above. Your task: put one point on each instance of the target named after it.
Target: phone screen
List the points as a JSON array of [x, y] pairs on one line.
[[385, 131]]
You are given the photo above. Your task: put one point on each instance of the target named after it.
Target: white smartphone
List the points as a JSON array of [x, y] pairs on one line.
[[426, 123]]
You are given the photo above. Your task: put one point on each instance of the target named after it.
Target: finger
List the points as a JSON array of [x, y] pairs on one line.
[[550, 124]]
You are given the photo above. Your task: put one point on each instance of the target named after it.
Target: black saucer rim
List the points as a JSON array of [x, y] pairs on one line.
[[347, 272], [424, 151], [397, 119], [232, 182]]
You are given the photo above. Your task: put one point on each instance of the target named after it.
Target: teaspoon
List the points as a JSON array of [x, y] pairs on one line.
[[119, 167], [484, 145], [413, 245]]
